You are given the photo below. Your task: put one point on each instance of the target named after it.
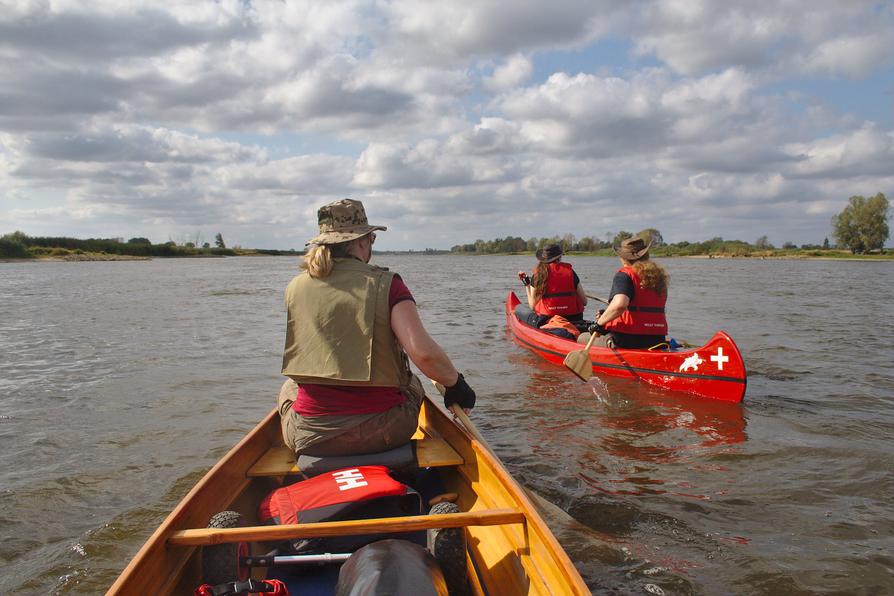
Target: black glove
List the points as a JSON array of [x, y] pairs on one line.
[[460, 393], [525, 279], [597, 329]]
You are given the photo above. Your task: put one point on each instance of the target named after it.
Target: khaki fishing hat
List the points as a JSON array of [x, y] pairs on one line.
[[342, 221], [635, 248]]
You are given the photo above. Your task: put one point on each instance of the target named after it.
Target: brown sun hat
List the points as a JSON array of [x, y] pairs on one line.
[[635, 248], [342, 221], [548, 253]]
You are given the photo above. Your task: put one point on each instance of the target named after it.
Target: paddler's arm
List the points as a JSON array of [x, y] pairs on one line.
[[615, 309], [419, 346], [529, 291], [581, 294]]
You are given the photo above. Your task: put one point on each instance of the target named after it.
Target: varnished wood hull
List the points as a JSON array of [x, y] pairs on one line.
[[512, 558]]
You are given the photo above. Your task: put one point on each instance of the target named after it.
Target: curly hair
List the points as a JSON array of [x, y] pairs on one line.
[[651, 276]]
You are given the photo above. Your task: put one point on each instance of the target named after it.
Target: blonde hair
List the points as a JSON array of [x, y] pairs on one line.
[[651, 276], [318, 261]]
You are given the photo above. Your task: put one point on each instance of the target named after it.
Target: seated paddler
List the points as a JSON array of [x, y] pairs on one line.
[[556, 298], [634, 317], [351, 328]]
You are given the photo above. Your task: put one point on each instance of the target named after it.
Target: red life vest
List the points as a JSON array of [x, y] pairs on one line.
[[330, 495], [560, 295], [644, 314]]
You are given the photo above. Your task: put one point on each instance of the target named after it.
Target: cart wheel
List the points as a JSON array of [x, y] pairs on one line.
[[220, 562], [448, 545]]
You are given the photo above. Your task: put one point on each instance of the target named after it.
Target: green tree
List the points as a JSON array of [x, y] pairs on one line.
[[763, 243], [13, 246], [862, 225], [219, 241], [826, 243], [620, 237], [139, 240], [17, 237], [657, 238]]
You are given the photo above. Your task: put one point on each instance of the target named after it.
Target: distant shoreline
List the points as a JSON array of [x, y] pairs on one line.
[[844, 256], [774, 255]]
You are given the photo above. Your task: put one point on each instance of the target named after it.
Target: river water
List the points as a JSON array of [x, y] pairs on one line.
[[121, 383]]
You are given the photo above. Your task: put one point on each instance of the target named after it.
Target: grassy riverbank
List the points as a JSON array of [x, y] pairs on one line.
[[796, 254], [18, 246]]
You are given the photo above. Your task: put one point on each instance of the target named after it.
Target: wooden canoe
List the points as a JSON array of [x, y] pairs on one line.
[[715, 370], [510, 549]]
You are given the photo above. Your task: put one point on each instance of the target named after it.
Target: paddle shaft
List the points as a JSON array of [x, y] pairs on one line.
[[589, 343], [464, 418]]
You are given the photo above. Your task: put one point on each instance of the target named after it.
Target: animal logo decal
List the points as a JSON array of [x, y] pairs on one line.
[[691, 363]]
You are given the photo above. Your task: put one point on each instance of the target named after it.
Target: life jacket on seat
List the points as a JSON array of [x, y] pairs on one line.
[[558, 322], [350, 493], [644, 314], [559, 295]]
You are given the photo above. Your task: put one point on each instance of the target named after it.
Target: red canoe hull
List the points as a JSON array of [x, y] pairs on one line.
[[715, 370]]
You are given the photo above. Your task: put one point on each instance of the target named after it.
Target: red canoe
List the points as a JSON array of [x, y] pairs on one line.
[[715, 370]]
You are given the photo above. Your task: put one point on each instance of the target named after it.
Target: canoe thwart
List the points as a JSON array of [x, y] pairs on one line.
[[208, 536], [431, 452]]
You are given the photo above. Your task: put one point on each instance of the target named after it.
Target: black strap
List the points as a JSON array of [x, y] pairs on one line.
[[559, 294], [252, 586], [646, 308]]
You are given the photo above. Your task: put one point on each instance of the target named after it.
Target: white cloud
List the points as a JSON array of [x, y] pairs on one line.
[[514, 71], [866, 151], [441, 116], [692, 37], [850, 55]]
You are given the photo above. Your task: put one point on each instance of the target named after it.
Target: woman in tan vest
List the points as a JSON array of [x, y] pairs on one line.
[[351, 327]]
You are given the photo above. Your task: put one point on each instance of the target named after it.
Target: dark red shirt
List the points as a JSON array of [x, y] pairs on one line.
[[337, 400]]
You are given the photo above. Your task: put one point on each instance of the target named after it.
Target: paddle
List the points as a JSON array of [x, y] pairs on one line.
[[603, 300], [579, 363], [461, 415]]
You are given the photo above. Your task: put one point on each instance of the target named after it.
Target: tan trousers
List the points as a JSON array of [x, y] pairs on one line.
[[326, 436]]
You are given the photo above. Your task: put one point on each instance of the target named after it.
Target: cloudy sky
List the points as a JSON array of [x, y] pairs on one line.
[[452, 120]]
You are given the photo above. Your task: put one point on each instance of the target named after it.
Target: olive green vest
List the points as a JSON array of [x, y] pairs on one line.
[[339, 328]]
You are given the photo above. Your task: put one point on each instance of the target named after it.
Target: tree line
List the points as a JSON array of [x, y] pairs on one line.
[[861, 227], [20, 245], [568, 242]]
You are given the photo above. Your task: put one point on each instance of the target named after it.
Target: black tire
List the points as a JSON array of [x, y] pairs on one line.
[[220, 562], [448, 545]]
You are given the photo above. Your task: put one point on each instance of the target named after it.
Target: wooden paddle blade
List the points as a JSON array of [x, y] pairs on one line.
[[579, 363]]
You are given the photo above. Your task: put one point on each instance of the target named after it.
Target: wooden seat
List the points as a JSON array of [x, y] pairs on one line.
[[431, 452]]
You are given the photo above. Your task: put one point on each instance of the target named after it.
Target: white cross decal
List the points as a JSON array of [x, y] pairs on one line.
[[719, 358]]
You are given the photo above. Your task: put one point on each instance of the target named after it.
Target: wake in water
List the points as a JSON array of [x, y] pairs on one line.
[[600, 389]]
